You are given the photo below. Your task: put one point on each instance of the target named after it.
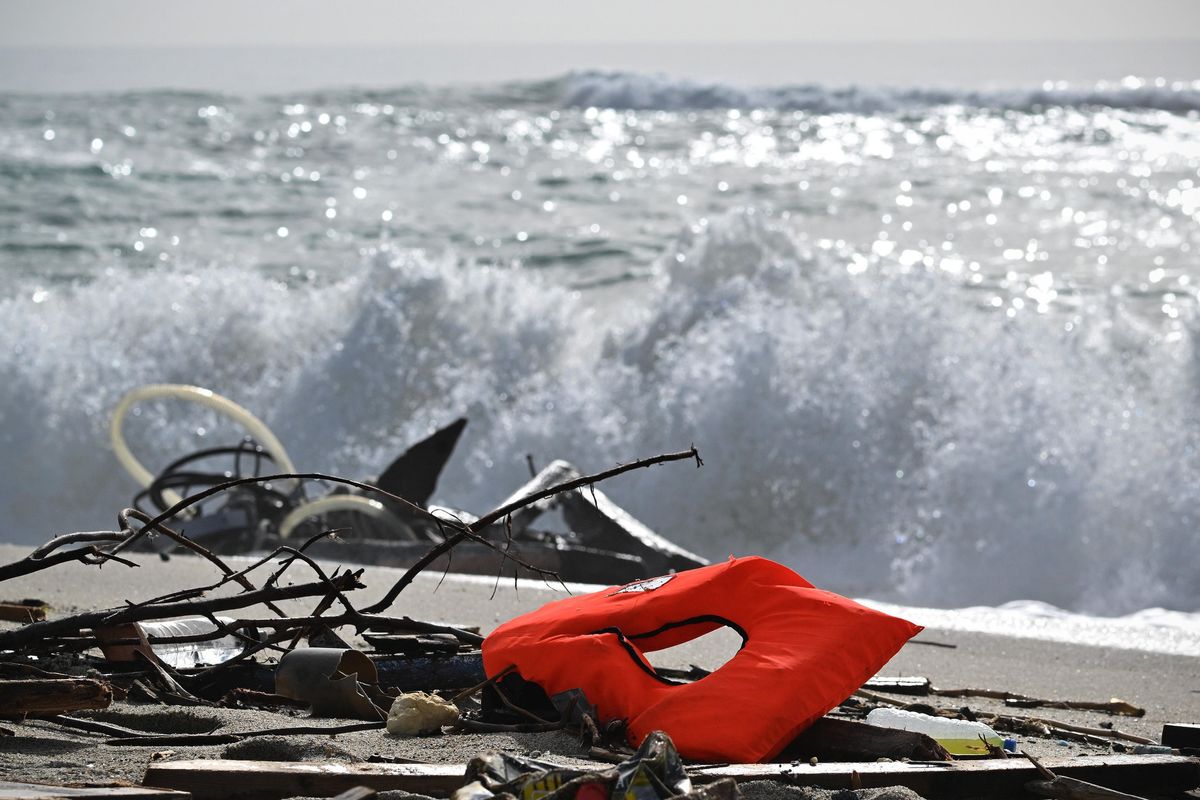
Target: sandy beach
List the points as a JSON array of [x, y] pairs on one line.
[[1168, 687]]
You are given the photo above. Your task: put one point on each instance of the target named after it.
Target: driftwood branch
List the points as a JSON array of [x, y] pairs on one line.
[[53, 696], [44, 557], [462, 531], [200, 739], [1056, 725], [37, 631]]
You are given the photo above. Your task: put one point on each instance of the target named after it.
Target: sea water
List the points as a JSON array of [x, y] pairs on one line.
[[937, 347]]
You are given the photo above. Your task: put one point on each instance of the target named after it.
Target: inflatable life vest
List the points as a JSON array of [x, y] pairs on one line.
[[804, 651]]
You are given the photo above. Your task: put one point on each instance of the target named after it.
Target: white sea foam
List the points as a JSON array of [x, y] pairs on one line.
[[882, 433], [1154, 630]]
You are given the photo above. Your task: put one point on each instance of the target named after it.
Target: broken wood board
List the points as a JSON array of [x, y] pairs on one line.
[[41, 791], [994, 777], [24, 611], [211, 779], [1181, 734], [52, 696]]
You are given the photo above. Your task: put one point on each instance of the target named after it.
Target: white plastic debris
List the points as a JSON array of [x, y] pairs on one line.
[[416, 712], [959, 736]]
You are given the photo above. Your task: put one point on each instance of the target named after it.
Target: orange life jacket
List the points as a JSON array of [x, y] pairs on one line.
[[804, 651]]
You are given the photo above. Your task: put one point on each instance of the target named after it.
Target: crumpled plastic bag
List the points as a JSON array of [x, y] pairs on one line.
[[655, 772]]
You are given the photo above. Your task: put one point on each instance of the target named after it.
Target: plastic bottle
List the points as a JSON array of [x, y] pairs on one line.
[[182, 655], [960, 737]]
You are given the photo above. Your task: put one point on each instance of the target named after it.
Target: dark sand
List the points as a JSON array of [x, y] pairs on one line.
[[1167, 686]]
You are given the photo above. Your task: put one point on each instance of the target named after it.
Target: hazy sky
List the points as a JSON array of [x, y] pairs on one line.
[[178, 44], [383, 22]]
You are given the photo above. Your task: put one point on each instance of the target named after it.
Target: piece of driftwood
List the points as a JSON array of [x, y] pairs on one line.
[[992, 778], [24, 611], [249, 698], [1180, 734], [833, 739], [34, 632], [1075, 789], [92, 726], [213, 779], [201, 739], [10, 790], [44, 557], [1061, 786], [1116, 707], [52, 696], [920, 686], [1054, 726]]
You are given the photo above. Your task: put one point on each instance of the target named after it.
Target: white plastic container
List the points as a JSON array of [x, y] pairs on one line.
[[182, 655], [960, 737]]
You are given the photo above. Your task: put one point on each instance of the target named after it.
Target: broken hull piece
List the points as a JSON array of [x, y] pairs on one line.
[[572, 563], [255, 509]]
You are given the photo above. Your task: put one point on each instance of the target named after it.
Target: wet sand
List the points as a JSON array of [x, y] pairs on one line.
[[1167, 686]]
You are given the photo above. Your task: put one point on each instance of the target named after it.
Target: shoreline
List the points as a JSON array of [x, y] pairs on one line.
[[1166, 686]]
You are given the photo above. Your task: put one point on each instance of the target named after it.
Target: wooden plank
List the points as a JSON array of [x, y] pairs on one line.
[[24, 611], [231, 780], [1181, 734], [984, 778], [10, 790], [52, 696], [213, 779]]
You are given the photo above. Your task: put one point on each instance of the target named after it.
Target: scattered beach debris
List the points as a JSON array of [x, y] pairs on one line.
[[229, 642], [603, 543], [654, 772], [960, 737], [989, 778], [922, 687], [414, 713], [335, 682]]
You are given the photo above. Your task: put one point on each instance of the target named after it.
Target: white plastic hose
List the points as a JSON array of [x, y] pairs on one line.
[[342, 502], [193, 394], [261, 433]]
